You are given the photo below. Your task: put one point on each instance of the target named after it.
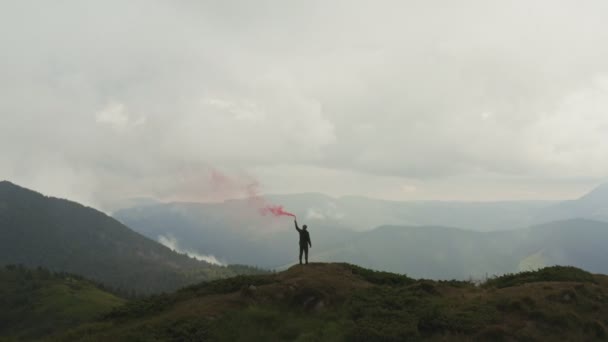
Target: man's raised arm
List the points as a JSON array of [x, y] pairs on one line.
[[296, 223]]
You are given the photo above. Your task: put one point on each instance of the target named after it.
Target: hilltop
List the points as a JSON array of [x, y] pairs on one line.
[[347, 302], [65, 236]]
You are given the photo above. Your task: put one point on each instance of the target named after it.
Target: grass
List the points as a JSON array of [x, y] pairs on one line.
[[270, 323], [341, 302], [380, 277], [553, 273]]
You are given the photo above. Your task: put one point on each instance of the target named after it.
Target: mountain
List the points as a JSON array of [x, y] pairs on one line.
[[235, 225], [427, 252], [445, 253], [361, 214], [593, 205], [235, 232], [35, 302], [342, 302], [65, 236]]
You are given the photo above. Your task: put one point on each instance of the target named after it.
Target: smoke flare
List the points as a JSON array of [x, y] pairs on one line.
[[276, 210]]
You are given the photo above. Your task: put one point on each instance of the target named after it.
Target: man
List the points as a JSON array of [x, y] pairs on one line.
[[304, 241]]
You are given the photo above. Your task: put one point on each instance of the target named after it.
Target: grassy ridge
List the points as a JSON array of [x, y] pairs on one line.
[[345, 302]]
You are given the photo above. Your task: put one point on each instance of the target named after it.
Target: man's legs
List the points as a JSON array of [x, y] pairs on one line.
[[301, 251], [306, 254]]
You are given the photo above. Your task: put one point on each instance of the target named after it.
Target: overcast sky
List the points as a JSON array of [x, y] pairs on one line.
[[466, 100]]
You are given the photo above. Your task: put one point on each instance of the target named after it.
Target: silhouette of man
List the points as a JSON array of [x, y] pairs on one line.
[[304, 241]]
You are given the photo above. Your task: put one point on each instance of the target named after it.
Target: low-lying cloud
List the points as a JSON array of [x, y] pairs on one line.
[[171, 242]]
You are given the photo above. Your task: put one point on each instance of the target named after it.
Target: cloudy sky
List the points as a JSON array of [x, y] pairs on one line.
[[467, 100]]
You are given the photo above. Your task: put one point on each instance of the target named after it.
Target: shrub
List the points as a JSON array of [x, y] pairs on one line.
[[553, 273], [380, 277]]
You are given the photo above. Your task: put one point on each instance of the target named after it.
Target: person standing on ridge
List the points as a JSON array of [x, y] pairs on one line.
[[304, 241]]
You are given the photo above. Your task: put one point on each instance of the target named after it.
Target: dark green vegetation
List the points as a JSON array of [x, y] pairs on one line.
[[554, 273], [36, 303], [341, 302], [65, 236]]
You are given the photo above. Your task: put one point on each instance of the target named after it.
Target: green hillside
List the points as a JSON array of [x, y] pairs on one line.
[[36, 302], [342, 302], [61, 235]]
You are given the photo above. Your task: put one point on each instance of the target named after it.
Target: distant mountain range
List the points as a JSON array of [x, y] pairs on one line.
[[362, 214], [416, 238], [450, 253], [593, 205], [65, 236]]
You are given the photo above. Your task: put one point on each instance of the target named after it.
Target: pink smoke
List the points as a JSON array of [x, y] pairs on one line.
[[264, 207], [276, 210], [222, 182]]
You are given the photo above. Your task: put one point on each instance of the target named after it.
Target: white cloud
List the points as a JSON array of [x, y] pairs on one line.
[[408, 188], [114, 115], [575, 135], [117, 116], [171, 242], [313, 214], [327, 211], [390, 93]]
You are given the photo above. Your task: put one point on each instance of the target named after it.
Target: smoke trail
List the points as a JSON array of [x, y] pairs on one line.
[[222, 182], [276, 210], [264, 207]]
